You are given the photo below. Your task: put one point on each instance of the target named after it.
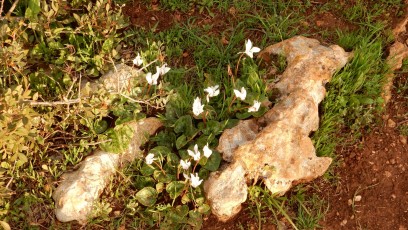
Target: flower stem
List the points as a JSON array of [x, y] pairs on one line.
[[239, 60], [196, 165], [160, 168], [229, 107]]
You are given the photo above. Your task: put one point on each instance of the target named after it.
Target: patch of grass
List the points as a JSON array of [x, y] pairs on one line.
[[354, 94]]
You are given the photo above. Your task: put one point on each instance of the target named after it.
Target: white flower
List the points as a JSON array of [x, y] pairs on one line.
[[195, 180], [185, 164], [196, 154], [152, 79], [150, 158], [138, 60], [207, 151], [255, 107], [197, 107], [240, 94], [186, 176], [250, 50], [163, 69], [212, 91]]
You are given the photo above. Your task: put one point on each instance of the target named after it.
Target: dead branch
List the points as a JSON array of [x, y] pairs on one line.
[[53, 103]]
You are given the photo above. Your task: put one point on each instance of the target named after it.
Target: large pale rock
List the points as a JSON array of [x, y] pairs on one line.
[[79, 190], [281, 154], [232, 138], [398, 52], [227, 198]]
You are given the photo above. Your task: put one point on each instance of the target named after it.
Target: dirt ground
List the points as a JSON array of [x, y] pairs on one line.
[[372, 192]]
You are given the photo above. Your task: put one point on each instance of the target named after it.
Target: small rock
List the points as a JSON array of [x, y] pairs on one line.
[[116, 213], [393, 196], [387, 174], [403, 139], [349, 202], [392, 161], [319, 23], [401, 227], [352, 217], [357, 198], [344, 222]]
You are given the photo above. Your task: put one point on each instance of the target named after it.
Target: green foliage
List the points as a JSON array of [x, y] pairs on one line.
[[354, 94]]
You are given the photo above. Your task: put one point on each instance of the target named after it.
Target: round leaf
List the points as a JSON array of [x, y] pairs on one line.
[[147, 196], [175, 188]]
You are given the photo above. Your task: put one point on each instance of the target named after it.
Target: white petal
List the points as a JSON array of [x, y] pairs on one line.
[[154, 78], [248, 46], [150, 158], [138, 60], [255, 50], [197, 107], [255, 107], [207, 151]]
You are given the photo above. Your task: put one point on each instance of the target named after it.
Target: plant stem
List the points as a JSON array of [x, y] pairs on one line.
[[239, 60], [160, 168]]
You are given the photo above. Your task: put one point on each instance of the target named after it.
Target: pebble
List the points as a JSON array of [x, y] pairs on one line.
[[403, 139], [387, 174], [344, 222], [391, 123], [357, 198], [393, 196]]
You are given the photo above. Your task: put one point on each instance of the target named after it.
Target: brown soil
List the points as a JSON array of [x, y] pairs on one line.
[[375, 171], [372, 192]]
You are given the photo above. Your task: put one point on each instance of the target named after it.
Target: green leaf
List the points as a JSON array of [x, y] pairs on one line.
[[195, 219], [33, 9], [146, 170], [185, 125], [100, 126], [173, 160], [213, 163], [213, 127], [175, 188], [147, 196], [243, 116], [204, 209], [161, 177], [119, 137], [181, 141], [160, 151], [178, 214], [107, 45], [143, 181]]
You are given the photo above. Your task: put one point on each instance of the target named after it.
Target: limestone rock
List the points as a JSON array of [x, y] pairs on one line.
[[281, 154], [227, 196], [79, 190], [398, 52], [232, 138], [117, 80], [76, 194]]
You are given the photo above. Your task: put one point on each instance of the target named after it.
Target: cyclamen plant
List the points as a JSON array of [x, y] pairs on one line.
[[183, 158]]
